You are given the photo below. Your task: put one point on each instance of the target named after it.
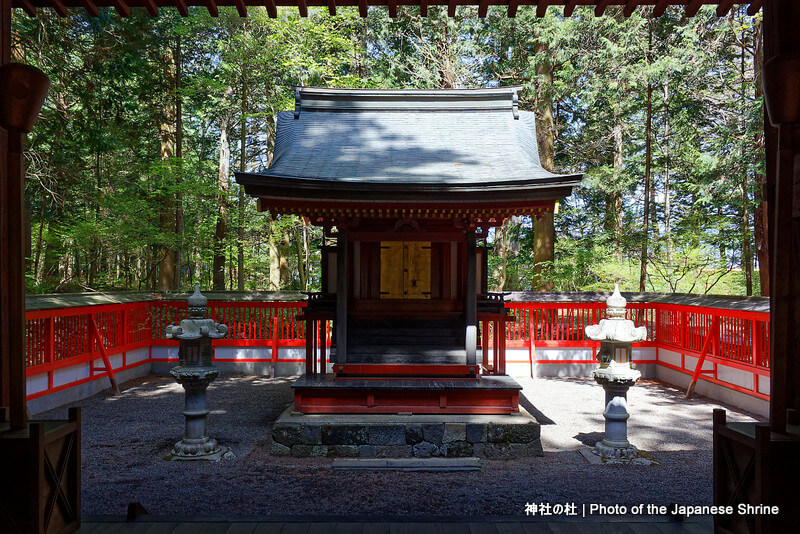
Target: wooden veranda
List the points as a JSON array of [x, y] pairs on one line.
[[756, 465]]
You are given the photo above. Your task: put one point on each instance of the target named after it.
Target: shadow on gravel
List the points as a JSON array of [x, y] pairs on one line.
[[541, 418], [589, 439]]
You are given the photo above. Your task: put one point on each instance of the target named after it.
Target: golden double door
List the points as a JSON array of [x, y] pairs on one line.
[[405, 270]]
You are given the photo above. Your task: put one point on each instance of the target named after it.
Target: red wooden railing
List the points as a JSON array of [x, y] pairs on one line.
[[250, 324], [62, 337]]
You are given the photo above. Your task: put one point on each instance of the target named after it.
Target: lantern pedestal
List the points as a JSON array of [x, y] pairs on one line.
[[196, 445], [616, 380]]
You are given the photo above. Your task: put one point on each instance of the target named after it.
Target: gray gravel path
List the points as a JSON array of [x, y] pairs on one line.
[[125, 439]]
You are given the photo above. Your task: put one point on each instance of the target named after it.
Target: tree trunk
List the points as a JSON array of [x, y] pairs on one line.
[[166, 259], [242, 168], [222, 205], [544, 227], [761, 215], [284, 260], [544, 238], [648, 149], [299, 251], [612, 223], [502, 249], [179, 226], [667, 201], [648, 157], [747, 254], [274, 259], [94, 252], [306, 255], [39, 243]]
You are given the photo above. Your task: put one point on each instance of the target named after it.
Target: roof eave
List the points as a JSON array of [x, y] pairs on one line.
[[286, 187]]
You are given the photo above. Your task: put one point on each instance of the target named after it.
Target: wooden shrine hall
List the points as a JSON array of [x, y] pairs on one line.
[[408, 182]]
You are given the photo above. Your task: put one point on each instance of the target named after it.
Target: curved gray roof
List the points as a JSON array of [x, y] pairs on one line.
[[462, 139]]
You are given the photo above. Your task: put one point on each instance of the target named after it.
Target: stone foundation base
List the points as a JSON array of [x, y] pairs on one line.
[[406, 436], [215, 456], [619, 453]]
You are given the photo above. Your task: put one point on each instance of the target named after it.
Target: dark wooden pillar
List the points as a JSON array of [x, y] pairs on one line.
[[5, 31], [13, 278], [22, 92], [341, 296], [471, 298], [12, 252], [782, 92], [5, 340]]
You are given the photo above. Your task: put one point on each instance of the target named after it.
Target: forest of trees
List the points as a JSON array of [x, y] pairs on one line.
[[130, 166]]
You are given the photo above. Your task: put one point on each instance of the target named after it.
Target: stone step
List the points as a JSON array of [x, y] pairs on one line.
[[364, 338], [407, 464], [404, 355]]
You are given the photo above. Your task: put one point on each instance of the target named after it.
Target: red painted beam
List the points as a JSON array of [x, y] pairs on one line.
[[425, 401]]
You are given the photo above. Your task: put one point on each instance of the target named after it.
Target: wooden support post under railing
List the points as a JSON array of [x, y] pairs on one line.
[[124, 335], [309, 346], [104, 355], [711, 338], [276, 322], [495, 347], [531, 342], [485, 344], [322, 339], [501, 346], [50, 348]]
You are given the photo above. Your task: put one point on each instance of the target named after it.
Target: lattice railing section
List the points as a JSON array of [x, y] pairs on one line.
[[556, 324], [249, 323], [65, 337]]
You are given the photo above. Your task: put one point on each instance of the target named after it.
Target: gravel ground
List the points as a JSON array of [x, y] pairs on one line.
[[126, 438]]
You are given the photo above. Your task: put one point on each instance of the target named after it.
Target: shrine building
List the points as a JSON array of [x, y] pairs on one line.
[[408, 182]]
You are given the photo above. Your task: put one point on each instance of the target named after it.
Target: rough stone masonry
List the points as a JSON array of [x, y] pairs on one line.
[[420, 438]]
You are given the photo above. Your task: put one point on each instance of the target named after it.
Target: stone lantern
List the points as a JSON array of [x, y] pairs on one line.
[[616, 336], [195, 372]]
